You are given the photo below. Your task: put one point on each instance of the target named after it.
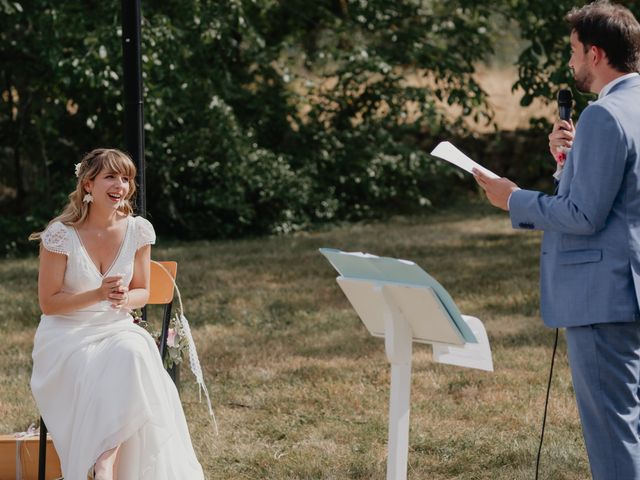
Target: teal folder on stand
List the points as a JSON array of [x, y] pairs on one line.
[[363, 266]]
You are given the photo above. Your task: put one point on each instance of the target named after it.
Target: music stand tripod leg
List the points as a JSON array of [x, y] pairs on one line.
[[398, 346]]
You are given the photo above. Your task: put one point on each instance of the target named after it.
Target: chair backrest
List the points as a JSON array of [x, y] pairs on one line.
[[161, 284]]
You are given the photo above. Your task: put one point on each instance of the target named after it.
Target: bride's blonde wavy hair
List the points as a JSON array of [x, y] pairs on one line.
[[94, 162]]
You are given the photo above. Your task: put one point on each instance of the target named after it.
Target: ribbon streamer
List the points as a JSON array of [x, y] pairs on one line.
[[32, 431], [194, 361]]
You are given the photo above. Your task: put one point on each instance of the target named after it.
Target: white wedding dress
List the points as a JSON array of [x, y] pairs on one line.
[[98, 378]]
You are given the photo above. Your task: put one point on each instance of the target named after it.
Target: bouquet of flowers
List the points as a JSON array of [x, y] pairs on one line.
[[177, 341]]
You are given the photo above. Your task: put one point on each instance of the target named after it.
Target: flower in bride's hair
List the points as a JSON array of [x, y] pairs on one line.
[[78, 165]]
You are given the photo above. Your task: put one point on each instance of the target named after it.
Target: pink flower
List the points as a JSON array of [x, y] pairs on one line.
[[561, 157], [171, 338]]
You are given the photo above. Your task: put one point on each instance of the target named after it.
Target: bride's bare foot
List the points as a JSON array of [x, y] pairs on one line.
[[105, 465]]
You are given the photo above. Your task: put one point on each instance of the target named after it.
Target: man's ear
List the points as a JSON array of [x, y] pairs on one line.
[[598, 55]]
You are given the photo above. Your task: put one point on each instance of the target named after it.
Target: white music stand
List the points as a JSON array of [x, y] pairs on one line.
[[399, 301]]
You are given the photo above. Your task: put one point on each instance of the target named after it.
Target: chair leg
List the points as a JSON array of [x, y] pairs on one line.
[[174, 373], [42, 454], [165, 330]]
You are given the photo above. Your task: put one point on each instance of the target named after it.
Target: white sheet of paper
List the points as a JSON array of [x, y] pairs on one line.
[[446, 151]]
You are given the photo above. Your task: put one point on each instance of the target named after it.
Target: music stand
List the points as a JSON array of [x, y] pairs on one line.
[[397, 300]]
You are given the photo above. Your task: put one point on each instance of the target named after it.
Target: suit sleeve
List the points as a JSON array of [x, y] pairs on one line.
[[599, 157]]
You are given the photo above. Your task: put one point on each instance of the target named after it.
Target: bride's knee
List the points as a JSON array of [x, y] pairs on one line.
[[130, 346]]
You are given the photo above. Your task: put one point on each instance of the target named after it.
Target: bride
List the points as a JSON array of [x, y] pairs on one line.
[[98, 379]]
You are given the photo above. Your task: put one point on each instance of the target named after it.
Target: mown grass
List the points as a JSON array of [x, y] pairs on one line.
[[300, 388]]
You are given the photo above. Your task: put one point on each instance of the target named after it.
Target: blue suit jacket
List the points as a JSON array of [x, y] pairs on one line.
[[590, 259]]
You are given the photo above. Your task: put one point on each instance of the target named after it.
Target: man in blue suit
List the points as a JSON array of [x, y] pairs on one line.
[[590, 259]]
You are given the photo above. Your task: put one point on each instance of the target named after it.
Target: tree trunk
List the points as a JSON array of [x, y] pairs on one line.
[[45, 163], [22, 125], [14, 137]]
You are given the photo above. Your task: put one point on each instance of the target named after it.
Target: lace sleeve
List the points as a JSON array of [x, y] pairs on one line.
[[145, 234], [56, 239]]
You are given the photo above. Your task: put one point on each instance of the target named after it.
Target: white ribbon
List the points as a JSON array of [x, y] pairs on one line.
[[32, 431], [194, 362]]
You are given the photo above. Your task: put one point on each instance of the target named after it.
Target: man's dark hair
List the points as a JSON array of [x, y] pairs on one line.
[[611, 27]]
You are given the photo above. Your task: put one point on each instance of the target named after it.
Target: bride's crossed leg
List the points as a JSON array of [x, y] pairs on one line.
[[107, 464]]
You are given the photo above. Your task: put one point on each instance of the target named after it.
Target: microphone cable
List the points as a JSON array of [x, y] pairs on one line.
[[546, 403]]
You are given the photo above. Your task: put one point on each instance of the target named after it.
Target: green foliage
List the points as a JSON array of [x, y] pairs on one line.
[[301, 114], [262, 116], [543, 64]]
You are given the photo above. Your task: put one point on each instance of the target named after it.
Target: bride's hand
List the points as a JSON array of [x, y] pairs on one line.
[[109, 285], [119, 297]]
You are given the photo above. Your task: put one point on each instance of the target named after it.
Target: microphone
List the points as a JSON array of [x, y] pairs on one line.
[[565, 102]]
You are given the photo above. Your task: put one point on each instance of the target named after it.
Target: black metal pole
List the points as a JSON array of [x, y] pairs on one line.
[[133, 99], [133, 103]]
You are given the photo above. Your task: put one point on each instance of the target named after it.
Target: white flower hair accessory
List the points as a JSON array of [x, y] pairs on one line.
[[78, 165]]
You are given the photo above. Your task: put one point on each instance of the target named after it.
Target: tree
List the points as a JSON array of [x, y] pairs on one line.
[[261, 115]]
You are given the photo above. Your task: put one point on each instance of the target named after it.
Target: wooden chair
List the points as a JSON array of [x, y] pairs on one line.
[[161, 290]]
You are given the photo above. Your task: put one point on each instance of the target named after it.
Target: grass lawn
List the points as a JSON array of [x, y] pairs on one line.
[[301, 389]]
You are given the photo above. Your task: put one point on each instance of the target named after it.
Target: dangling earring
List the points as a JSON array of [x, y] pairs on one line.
[[88, 198]]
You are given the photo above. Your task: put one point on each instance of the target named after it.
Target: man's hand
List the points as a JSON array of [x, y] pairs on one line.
[[498, 190], [561, 139]]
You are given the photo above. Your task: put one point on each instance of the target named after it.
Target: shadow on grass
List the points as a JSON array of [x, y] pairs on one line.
[[526, 336]]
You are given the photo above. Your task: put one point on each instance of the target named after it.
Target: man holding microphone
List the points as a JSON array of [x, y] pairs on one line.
[[590, 258]]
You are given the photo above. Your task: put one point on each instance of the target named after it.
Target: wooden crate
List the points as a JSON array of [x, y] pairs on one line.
[[28, 457]]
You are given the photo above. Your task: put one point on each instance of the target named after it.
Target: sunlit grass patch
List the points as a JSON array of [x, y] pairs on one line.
[[299, 386]]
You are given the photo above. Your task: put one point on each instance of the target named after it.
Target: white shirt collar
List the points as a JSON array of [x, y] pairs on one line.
[[607, 88]]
